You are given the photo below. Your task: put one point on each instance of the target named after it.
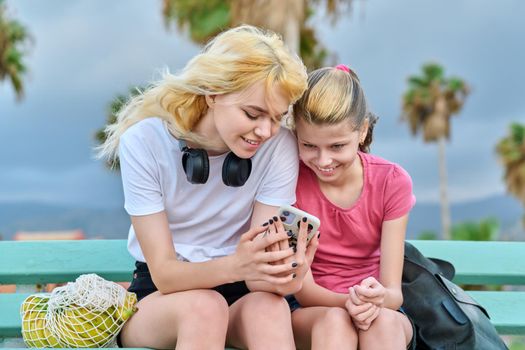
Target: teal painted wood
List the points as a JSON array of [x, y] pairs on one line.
[[10, 321], [62, 261], [480, 262], [506, 310], [29, 262]]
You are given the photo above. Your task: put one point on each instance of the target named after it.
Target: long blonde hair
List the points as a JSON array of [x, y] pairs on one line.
[[231, 62], [335, 95]]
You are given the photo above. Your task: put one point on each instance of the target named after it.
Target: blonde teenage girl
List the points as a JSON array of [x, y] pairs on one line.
[[204, 164]]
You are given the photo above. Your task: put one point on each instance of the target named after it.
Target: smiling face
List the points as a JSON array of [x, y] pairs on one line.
[[241, 122], [330, 150]]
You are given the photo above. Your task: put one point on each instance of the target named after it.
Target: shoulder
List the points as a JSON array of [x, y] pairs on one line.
[[144, 129], [384, 168]]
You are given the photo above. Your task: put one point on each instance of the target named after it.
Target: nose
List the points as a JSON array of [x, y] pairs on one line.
[[264, 128], [323, 158]]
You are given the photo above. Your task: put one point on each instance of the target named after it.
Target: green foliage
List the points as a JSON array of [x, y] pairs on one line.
[[428, 235], [485, 230], [511, 151], [14, 40], [203, 19], [518, 343], [111, 117]]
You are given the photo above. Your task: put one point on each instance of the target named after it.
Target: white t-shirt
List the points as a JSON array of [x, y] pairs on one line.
[[205, 220]]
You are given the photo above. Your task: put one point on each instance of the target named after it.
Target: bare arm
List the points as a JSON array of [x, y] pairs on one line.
[[170, 275], [313, 294], [391, 265]]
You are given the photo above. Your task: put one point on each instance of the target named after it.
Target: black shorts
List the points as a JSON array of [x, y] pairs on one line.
[[294, 305], [143, 285]]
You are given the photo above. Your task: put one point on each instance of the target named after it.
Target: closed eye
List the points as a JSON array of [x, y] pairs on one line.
[[338, 146], [308, 145], [250, 116]]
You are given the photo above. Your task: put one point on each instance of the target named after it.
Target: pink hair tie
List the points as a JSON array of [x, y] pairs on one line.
[[343, 67]]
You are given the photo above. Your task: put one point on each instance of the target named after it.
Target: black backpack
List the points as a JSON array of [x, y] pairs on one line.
[[444, 315]]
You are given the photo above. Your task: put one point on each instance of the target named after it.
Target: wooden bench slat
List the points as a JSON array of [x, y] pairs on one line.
[[506, 310], [31, 262], [488, 262]]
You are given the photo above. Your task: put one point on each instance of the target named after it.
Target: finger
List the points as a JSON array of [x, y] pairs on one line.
[[278, 269], [367, 292], [369, 282], [312, 248], [252, 233], [277, 279], [373, 316], [269, 239], [276, 256], [356, 310], [363, 316], [301, 237], [353, 296]]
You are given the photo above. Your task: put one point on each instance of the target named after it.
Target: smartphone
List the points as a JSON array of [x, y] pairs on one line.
[[291, 218]]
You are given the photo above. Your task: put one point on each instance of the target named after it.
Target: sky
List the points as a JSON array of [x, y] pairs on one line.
[[86, 52]]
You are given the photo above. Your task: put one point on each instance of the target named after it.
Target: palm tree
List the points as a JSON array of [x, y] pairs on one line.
[[511, 150], [429, 102], [13, 38]]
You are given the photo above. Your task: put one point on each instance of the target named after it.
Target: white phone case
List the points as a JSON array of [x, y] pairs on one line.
[[291, 218]]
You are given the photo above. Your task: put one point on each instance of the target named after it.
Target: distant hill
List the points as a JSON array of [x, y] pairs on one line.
[[507, 210], [114, 223]]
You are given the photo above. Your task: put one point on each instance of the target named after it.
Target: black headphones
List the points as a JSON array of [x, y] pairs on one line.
[[235, 170]]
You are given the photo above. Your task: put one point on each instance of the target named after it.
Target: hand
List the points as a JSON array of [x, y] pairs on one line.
[[252, 262], [304, 254], [363, 313], [370, 290]]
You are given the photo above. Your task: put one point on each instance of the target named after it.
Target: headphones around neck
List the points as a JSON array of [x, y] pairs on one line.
[[235, 170]]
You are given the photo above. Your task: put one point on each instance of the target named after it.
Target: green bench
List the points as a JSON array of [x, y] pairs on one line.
[[30, 263]]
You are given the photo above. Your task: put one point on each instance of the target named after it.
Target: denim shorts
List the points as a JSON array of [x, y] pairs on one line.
[[294, 305]]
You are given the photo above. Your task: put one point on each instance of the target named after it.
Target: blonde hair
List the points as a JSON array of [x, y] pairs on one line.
[[231, 62], [335, 95]]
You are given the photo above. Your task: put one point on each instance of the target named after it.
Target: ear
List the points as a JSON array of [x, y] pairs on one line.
[[363, 131], [210, 100]]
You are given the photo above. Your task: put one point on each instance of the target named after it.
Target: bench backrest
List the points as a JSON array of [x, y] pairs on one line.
[[31, 262]]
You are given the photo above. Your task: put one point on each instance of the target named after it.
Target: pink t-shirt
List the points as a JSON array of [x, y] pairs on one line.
[[349, 246]]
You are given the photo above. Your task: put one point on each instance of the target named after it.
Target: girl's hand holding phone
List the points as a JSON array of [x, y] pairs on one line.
[[254, 261]]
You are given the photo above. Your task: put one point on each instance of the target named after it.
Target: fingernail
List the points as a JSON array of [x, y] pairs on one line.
[[295, 249], [294, 264], [271, 221], [265, 224], [319, 235], [289, 233], [304, 219], [275, 218], [294, 275]]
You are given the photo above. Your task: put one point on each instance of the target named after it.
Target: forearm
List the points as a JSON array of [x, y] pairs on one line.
[[172, 275], [313, 294], [393, 298]]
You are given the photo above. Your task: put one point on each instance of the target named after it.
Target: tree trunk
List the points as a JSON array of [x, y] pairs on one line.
[[282, 16], [443, 195]]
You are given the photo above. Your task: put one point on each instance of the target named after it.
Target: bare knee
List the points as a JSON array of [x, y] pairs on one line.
[[387, 321], [206, 307], [335, 320], [269, 306]]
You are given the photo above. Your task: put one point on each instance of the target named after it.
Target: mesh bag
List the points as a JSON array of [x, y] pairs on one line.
[[88, 313]]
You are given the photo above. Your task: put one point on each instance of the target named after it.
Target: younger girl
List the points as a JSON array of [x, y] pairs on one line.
[[352, 296]]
